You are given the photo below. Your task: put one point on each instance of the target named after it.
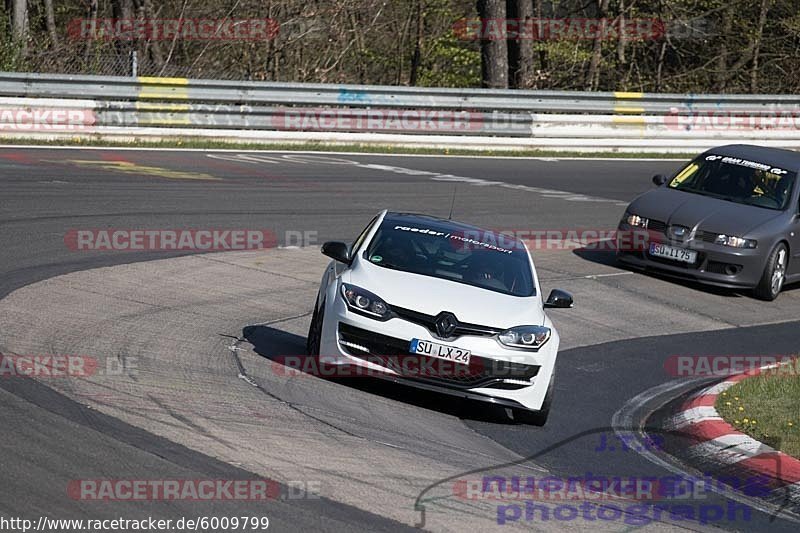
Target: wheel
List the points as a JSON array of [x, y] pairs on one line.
[[537, 418], [774, 274], [315, 330]]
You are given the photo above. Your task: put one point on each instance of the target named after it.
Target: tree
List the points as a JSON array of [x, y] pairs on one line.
[[521, 72], [494, 48], [19, 28], [51, 22], [593, 75]]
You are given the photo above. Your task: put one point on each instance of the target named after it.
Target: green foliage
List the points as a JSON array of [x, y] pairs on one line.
[[11, 57], [709, 46], [450, 62]]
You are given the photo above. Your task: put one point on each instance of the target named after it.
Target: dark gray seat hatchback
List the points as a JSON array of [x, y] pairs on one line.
[[729, 218]]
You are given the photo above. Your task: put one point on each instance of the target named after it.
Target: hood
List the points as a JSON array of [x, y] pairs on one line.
[[703, 212], [431, 296]]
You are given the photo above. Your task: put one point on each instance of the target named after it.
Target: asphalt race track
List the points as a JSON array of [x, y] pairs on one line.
[[195, 393]]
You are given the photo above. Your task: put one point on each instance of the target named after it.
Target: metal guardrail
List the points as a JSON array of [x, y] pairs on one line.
[[330, 113]]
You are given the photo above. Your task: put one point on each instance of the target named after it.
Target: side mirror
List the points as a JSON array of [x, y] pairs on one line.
[[659, 180], [559, 299], [338, 251]]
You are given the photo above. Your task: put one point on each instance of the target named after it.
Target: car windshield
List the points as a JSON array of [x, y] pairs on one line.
[[737, 180], [474, 257]]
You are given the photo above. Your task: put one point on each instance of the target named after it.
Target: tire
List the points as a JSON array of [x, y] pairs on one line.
[[314, 336], [536, 418], [774, 274]]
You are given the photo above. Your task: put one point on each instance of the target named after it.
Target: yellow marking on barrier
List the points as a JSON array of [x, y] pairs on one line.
[[165, 106], [133, 168], [636, 121], [153, 80], [163, 114], [628, 110], [163, 88], [627, 95], [178, 121]]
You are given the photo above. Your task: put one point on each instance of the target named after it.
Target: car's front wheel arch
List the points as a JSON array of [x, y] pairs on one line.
[[774, 273]]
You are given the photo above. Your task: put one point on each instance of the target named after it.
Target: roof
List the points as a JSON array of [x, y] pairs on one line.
[[419, 218], [776, 157]]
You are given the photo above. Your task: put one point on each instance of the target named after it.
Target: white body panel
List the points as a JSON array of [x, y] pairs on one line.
[[431, 295]]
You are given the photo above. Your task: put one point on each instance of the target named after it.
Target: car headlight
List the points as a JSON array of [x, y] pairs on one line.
[[734, 242], [527, 337], [364, 302], [636, 221]]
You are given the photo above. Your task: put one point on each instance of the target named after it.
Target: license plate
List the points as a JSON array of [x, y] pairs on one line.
[[670, 252], [440, 351]]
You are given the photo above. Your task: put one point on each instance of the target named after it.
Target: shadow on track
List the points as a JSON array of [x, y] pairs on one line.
[[276, 345], [608, 258]]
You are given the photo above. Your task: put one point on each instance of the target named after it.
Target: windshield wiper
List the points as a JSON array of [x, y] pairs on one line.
[[391, 266]]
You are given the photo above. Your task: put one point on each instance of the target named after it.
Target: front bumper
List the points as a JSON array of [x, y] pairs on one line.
[[512, 378], [716, 265]]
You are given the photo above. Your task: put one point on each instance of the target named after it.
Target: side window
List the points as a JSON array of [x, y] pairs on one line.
[[363, 235]]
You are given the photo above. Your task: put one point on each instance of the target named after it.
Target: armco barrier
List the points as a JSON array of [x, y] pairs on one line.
[[63, 106]]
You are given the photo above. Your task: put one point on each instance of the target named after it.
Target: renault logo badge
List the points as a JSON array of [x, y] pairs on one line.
[[446, 324]]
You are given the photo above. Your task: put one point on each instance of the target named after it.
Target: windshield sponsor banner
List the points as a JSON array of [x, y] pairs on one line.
[[729, 365], [186, 29], [468, 240], [747, 163], [46, 119]]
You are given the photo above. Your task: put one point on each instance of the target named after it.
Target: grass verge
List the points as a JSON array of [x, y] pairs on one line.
[[766, 407], [344, 148]]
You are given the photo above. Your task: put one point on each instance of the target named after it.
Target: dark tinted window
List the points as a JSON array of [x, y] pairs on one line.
[[473, 257], [737, 180]]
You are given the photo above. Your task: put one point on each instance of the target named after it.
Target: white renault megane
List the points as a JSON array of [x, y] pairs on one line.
[[442, 306]]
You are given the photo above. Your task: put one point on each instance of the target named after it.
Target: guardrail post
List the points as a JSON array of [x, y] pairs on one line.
[[134, 64]]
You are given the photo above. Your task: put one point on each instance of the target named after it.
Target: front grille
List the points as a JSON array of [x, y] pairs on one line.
[[429, 322], [657, 226], [393, 353], [729, 269], [706, 236]]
